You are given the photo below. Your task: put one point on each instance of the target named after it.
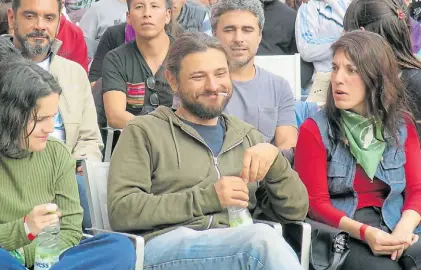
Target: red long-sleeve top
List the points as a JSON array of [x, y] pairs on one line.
[[311, 165]]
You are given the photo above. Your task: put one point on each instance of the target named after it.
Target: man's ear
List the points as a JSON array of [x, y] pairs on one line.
[[172, 81], [11, 18]]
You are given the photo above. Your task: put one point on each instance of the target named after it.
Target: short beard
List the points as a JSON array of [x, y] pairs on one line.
[[234, 64], [29, 50], [199, 110]]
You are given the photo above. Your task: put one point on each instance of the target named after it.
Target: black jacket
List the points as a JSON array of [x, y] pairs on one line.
[[278, 36], [412, 79]]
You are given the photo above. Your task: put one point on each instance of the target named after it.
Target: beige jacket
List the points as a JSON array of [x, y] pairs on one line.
[[77, 107]]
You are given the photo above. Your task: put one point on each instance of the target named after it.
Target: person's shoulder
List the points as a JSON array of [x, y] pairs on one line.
[[114, 29], [311, 5], [239, 125], [56, 148], [264, 75], [280, 7], [201, 9], [126, 49], [71, 28], [121, 55], [66, 66]]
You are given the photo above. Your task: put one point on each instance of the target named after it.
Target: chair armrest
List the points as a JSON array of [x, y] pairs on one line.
[[298, 235], [277, 226], [138, 243]]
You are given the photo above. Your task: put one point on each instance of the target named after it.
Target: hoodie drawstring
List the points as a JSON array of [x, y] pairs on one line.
[[175, 142]]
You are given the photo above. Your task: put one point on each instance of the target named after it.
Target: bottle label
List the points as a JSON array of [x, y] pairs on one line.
[[45, 259]]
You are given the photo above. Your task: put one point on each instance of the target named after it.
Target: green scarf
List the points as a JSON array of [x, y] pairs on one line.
[[367, 145]]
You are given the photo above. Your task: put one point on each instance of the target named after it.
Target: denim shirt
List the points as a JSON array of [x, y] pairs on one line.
[[341, 169]]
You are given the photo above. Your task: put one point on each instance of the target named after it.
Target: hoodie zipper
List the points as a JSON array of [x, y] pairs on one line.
[[218, 172], [215, 162]]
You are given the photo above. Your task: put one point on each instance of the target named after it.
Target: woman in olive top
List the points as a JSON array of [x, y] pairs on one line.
[[37, 176]]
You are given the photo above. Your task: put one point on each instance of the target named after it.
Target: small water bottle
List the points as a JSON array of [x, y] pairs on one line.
[[47, 250], [239, 216]]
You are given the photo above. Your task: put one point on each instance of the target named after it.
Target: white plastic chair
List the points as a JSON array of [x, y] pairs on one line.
[[96, 176], [286, 66], [109, 144], [298, 234]]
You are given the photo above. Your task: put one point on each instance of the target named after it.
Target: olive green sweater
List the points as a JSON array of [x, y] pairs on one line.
[[43, 177], [162, 176]]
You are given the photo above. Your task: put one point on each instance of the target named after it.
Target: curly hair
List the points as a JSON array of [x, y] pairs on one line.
[[223, 6]]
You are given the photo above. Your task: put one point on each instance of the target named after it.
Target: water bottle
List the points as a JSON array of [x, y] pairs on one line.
[[47, 249], [239, 216]]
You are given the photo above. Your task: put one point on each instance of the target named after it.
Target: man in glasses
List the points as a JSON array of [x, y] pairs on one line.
[[260, 98], [133, 80], [173, 174]]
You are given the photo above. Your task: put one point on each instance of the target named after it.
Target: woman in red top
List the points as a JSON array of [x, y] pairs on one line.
[[360, 158]]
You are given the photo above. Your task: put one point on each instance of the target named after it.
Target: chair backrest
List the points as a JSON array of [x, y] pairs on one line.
[[286, 66], [96, 178]]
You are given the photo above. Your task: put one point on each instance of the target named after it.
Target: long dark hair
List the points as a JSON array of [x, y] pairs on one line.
[[385, 92], [388, 18], [22, 84]]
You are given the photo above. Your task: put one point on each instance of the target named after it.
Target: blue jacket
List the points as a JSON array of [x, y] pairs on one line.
[[341, 173]]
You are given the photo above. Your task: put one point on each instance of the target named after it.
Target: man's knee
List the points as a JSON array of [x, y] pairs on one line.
[[119, 244], [267, 239]]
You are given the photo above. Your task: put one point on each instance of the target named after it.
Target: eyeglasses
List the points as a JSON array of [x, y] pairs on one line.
[[153, 97]]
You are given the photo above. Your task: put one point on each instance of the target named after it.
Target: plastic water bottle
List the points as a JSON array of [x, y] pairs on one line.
[[47, 250], [239, 216]]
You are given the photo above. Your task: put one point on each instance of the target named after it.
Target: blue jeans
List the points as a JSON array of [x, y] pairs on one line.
[[104, 251], [253, 247], [86, 222]]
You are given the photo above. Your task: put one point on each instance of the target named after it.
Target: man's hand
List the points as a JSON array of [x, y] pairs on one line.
[[382, 243], [42, 216], [410, 239], [232, 191], [257, 161]]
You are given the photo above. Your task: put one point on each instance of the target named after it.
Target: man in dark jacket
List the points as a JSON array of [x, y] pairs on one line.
[[278, 37]]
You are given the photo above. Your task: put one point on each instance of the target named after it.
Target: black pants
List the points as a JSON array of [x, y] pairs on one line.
[[361, 256]]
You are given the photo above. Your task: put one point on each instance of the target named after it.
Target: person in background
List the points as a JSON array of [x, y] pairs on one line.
[[389, 18], [360, 157], [278, 35], [38, 186], [4, 25], [319, 23], [260, 98], [184, 17], [76, 8], [75, 124], [98, 17], [70, 34], [173, 174], [133, 81], [192, 18]]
